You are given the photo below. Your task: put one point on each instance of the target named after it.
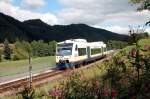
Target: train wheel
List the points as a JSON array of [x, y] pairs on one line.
[[72, 67], [77, 66], [84, 63]]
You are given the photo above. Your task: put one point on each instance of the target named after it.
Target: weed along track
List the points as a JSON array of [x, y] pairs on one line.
[[13, 87]]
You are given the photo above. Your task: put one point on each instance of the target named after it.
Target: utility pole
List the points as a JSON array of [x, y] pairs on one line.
[[30, 71]]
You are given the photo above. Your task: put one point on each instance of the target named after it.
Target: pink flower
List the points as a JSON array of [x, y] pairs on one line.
[[141, 62], [133, 52], [96, 84], [147, 47], [105, 92], [114, 93], [55, 92]]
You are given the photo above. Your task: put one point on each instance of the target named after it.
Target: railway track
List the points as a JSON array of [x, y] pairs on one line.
[[16, 86], [19, 84]]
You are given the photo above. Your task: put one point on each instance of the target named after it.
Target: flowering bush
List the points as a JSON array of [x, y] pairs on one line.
[[127, 76], [28, 93], [77, 87], [56, 93]]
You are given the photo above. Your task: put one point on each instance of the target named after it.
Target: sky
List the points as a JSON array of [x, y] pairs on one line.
[[113, 15]]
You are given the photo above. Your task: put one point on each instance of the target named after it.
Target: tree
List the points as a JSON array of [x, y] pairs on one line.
[[1, 52], [111, 44], [52, 46], [144, 5], [7, 50], [40, 48], [21, 50], [27, 47], [134, 37]]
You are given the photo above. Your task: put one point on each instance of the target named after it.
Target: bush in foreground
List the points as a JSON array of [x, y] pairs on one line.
[[127, 76]]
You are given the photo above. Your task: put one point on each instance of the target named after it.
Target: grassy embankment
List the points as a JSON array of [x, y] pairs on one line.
[[141, 43], [11, 68], [42, 92], [96, 71]]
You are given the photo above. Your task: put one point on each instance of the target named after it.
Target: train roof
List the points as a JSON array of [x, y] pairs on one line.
[[74, 41], [83, 42], [96, 44]]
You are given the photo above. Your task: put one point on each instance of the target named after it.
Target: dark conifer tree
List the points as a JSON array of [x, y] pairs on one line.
[[7, 50]]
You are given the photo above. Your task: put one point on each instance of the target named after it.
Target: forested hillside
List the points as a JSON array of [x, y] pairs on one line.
[[30, 30]]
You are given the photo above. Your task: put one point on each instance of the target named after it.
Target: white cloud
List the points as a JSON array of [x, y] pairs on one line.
[[103, 13], [7, 1], [68, 16], [122, 30], [114, 15], [33, 3], [116, 29], [22, 14], [104, 6], [148, 30], [129, 18], [92, 11]]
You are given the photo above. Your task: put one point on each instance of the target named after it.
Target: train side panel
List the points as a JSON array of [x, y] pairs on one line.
[[80, 53]]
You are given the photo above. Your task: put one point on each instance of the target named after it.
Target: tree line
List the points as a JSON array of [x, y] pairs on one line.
[[112, 44], [22, 49]]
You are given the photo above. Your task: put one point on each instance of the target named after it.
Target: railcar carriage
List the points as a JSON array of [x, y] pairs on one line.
[[97, 50], [76, 52]]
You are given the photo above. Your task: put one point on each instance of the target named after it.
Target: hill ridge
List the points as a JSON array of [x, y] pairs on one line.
[[36, 29]]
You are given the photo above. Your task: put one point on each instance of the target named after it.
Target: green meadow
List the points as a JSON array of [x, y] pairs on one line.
[[11, 68]]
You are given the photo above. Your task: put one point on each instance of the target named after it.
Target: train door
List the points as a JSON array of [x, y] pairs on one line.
[[76, 51], [88, 52], [102, 51]]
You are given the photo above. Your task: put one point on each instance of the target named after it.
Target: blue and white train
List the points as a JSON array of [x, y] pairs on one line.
[[76, 52]]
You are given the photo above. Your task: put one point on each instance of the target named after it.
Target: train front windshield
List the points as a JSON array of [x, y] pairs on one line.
[[64, 49]]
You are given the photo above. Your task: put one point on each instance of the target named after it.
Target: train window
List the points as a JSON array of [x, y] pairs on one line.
[[82, 51], [64, 51], [102, 49], [96, 51], [65, 45]]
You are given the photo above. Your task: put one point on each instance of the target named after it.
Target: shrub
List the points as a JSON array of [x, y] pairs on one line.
[[19, 53], [28, 93], [1, 53], [7, 50], [121, 81]]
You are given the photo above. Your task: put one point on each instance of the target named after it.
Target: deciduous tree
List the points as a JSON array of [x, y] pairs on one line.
[[144, 5]]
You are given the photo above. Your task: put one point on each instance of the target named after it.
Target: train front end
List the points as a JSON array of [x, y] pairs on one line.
[[64, 55]]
